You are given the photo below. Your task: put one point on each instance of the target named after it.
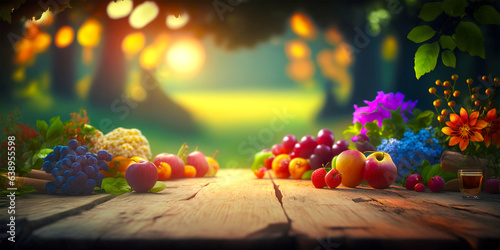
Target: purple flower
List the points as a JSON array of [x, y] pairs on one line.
[[381, 107]]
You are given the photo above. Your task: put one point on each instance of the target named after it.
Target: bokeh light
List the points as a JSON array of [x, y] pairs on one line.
[[143, 14], [300, 70], [174, 22], [343, 55], [25, 51], [335, 66], [186, 56], [41, 42], [119, 9], [333, 36], [389, 48], [297, 49], [89, 35], [151, 56], [64, 36], [133, 43], [303, 26]]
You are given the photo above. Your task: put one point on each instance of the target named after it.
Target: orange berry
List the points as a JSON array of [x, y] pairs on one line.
[[447, 92], [454, 77], [438, 82], [496, 79], [485, 78], [451, 103], [440, 118], [432, 90], [488, 91], [446, 84], [470, 81], [456, 93], [475, 96], [189, 171], [437, 103], [444, 112], [477, 103]]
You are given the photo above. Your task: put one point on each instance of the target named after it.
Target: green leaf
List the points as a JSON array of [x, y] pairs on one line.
[[449, 58], [307, 175], [55, 129], [455, 8], [42, 127], [397, 118], [447, 42], [430, 11], [433, 171], [37, 164], [158, 187], [448, 176], [486, 14], [115, 185], [372, 127], [421, 33], [469, 39], [426, 58], [41, 154]]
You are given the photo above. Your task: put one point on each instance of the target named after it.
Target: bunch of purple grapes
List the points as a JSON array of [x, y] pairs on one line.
[[319, 151], [76, 170]]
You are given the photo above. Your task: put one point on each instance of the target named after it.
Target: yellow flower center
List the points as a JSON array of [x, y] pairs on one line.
[[464, 131]]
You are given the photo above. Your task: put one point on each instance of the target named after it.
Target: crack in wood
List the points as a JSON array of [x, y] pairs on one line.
[[456, 207], [194, 195], [357, 200]]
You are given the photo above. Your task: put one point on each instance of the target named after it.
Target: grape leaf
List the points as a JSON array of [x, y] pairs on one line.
[[426, 58], [421, 33], [430, 11], [447, 42], [56, 128], [307, 175], [115, 185], [42, 127], [449, 58], [455, 8], [486, 14], [158, 187], [448, 176], [469, 39]]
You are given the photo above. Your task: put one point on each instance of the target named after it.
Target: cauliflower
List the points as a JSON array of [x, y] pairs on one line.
[[122, 142]]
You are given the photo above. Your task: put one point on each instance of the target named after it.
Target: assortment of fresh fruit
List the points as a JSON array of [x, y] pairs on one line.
[[76, 171], [414, 182]]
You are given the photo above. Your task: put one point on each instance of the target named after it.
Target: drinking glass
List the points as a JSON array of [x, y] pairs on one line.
[[470, 183]]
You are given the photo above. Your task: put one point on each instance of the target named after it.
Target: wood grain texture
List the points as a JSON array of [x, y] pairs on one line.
[[237, 211]]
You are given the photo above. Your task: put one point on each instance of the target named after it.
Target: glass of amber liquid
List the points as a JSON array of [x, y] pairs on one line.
[[470, 183]]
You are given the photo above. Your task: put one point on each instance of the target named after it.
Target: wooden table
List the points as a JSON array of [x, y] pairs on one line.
[[236, 210]]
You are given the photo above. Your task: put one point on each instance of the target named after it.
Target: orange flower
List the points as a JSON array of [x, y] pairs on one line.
[[492, 130], [464, 128]]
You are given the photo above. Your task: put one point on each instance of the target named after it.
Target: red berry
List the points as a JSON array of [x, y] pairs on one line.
[[436, 184], [269, 162], [277, 149], [419, 187], [288, 143], [333, 178], [413, 180], [318, 178], [260, 172]]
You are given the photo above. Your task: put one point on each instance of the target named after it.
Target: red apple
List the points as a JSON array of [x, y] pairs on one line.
[[197, 160], [141, 176], [268, 162], [176, 163], [380, 171]]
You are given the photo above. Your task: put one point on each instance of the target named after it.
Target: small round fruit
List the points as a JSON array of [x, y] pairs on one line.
[[351, 164], [280, 166], [439, 83], [260, 172], [141, 176], [432, 90], [437, 103], [456, 93], [288, 143], [277, 149], [419, 187], [318, 178], [496, 80], [441, 118], [189, 171], [451, 103], [446, 84], [339, 147], [444, 112], [485, 78], [436, 184], [488, 91], [470, 81], [333, 178], [413, 180], [269, 162], [447, 92], [298, 167], [454, 77], [326, 137], [477, 103], [164, 171], [492, 186]]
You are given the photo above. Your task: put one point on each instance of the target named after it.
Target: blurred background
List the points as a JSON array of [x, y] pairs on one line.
[[233, 76]]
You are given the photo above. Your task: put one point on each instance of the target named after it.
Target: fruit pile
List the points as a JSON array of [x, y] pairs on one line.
[[414, 182], [294, 158], [76, 170]]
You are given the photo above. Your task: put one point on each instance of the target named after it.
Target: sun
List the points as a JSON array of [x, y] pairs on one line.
[[186, 57]]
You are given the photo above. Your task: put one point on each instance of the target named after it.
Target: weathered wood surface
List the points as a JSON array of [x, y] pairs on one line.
[[237, 211]]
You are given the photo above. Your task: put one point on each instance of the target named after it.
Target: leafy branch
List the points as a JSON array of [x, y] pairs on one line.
[[466, 36]]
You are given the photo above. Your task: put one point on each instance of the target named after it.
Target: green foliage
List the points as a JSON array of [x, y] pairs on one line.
[[421, 33], [158, 187], [115, 185], [427, 171], [449, 58], [469, 39], [430, 11], [426, 58], [454, 32], [307, 175], [393, 127]]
